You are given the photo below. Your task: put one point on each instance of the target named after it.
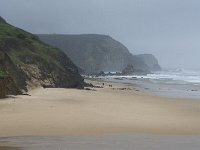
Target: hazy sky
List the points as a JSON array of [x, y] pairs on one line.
[[169, 29]]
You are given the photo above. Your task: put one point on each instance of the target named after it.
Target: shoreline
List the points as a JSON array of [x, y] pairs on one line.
[[158, 88], [109, 142], [100, 111], [111, 118]]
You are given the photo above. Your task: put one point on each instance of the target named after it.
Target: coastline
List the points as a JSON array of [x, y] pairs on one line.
[[112, 118], [105, 142], [108, 110], [161, 88]]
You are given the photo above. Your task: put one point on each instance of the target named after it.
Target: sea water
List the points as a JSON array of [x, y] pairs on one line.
[[180, 76], [177, 83]]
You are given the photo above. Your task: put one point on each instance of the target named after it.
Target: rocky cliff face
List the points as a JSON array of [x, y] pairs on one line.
[[151, 61], [95, 53], [29, 62], [8, 87], [130, 70], [92, 53], [9, 69]]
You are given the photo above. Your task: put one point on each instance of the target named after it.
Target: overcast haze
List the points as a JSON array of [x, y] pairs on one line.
[[169, 29]]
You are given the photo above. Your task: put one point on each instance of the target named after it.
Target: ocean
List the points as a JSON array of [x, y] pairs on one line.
[[176, 83], [180, 76]]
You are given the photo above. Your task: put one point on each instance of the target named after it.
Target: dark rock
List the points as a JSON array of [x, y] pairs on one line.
[[118, 78], [101, 73], [130, 70], [8, 87], [89, 85]]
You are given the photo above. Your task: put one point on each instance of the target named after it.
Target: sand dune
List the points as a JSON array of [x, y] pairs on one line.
[[85, 112]]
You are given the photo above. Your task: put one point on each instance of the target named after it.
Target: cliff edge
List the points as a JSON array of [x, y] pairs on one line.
[[30, 63], [94, 53]]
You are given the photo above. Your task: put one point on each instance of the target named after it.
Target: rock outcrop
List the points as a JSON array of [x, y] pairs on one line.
[[150, 60], [130, 70], [9, 69], [8, 87], [94, 53], [29, 62]]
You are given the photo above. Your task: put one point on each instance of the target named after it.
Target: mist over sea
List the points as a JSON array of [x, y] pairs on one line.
[[180, 76], [176, 83]]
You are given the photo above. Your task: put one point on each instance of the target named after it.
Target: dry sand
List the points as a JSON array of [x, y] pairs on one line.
[[65, 112]]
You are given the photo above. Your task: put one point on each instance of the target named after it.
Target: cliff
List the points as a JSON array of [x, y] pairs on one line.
[[8, 87], [150, 60], [94, 53], [29, 62], [9, 69]]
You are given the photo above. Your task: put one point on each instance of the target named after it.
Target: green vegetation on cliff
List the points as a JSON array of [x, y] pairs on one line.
[[3, 73], [30, 62]]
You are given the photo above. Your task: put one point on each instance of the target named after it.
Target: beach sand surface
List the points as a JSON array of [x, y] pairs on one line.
[[108, 110]]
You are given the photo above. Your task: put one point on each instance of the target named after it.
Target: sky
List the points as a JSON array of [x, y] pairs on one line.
[[169, 29]]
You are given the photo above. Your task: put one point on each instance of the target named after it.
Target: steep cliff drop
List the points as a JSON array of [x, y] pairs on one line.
[[94, 53], [27, 62]]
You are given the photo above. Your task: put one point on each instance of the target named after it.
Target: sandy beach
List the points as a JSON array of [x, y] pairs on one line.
[[64, 112]]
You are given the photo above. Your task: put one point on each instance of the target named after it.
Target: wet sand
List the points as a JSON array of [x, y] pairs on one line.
[[164, 88], [108, 142], [9, 148], [102, 112]]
